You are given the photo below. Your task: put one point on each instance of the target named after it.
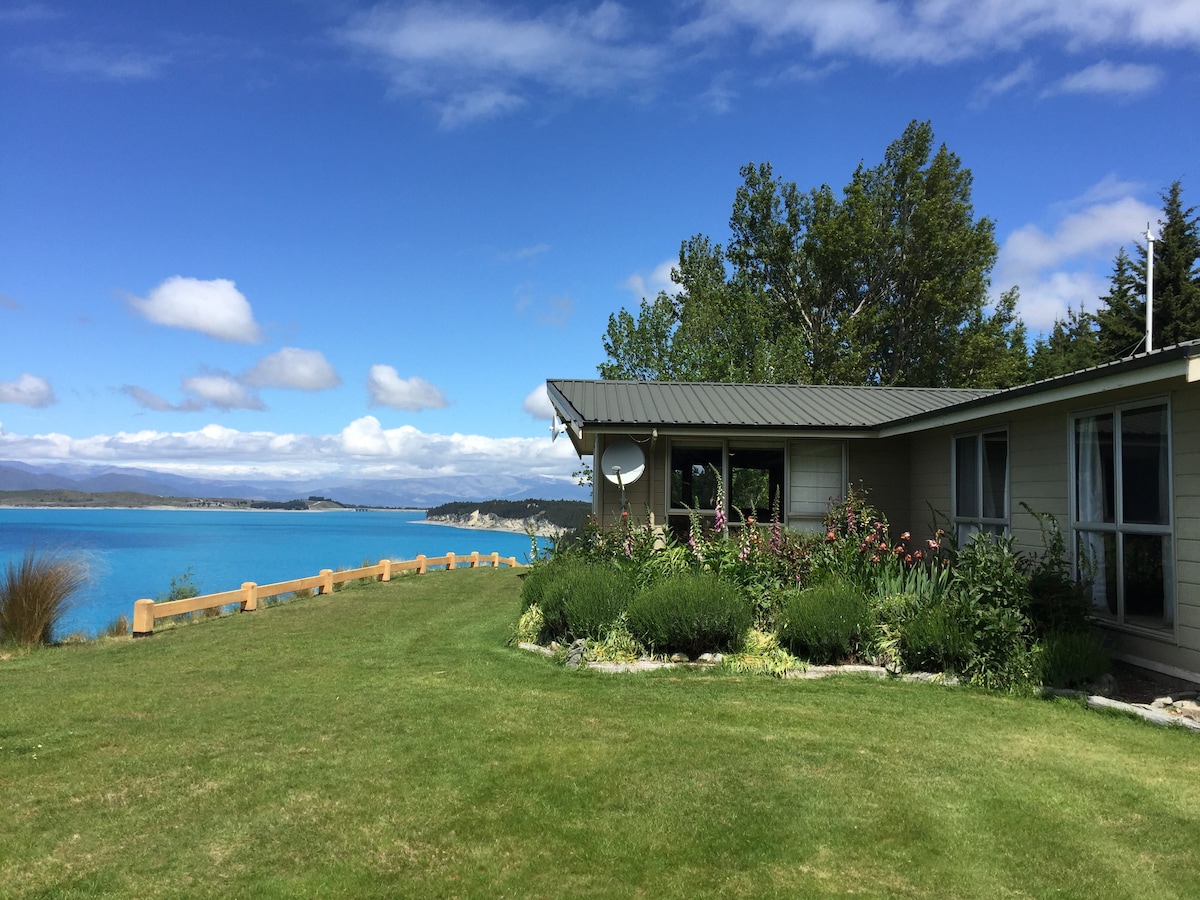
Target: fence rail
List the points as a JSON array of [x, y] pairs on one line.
[[248, 595]]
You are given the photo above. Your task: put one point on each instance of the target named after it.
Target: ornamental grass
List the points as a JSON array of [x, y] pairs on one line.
[[36, 593]]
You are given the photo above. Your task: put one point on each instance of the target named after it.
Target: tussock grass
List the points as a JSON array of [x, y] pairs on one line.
[[35, 594], [386, 741]]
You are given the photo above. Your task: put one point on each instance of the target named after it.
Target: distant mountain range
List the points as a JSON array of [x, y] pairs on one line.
[[417, 493]]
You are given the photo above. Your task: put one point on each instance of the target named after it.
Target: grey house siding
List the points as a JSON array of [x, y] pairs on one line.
[[1039, 474], [1185, 436], [884, 468], [648, 493], [929, 479]]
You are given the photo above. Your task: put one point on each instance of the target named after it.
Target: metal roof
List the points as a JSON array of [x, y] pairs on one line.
[[682, 405], [664, 404]]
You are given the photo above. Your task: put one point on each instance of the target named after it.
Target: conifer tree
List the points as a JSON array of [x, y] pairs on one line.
[[1176, 272], [1121, 318], [1073, 344]]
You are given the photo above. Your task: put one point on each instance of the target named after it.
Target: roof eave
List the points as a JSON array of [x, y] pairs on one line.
[[1162, 365]]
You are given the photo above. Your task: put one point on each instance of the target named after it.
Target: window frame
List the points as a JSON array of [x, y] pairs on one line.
[[966, 525], [730, 446], [1121, 529]]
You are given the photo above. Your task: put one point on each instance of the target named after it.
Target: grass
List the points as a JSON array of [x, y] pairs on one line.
[[385, 742]]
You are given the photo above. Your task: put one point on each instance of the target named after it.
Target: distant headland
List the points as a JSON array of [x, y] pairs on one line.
[[60, 498], [547, 518]]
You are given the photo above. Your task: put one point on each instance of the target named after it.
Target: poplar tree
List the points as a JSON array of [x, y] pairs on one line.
[[887, 285]]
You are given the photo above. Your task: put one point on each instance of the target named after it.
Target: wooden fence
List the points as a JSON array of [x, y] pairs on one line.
[[248, 595]]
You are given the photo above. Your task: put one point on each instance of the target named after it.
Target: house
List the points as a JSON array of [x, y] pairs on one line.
[[1112, 452]]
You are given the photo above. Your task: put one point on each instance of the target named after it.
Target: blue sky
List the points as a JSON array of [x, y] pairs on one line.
[[326, 237]]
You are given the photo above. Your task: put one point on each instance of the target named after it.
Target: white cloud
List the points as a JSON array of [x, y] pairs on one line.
[[526, 252], [216, 308], [290, 367], [1126, 80], [537, 404], [28, 12], [27, 390], [84, 60], [719, 97], [150, 400], [387, 388], [1069, 265], [943, 31], [474, 106], [363, 448], [997, 87], [648, 286], [222, 391], [479, 61]]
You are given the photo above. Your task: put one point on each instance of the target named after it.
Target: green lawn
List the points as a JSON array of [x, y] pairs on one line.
[[385, 741]]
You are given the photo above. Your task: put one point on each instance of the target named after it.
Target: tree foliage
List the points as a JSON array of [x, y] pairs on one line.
[[1118, 327], [1176, 271], [886, 285], [1072, 344]]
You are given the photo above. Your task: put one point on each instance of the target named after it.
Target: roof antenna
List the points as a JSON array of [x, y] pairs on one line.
[[1150, 239]]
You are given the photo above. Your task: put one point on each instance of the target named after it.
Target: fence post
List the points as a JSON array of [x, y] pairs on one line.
[[474, 559], [495, 560], [143, 618], [326, 581], [512, 562], [249, 596], [386, 566], [449, 561], [421, 567]]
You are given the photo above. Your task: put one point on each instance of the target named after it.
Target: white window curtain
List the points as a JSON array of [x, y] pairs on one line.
[[1089, 485]]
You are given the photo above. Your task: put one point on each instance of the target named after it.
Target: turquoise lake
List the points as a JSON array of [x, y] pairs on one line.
[[134, 553]]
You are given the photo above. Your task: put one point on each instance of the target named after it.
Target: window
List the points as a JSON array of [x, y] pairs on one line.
[[980, 484], [818, 477], [1122, 514], [803, 475], [695, 473], [755, 480]]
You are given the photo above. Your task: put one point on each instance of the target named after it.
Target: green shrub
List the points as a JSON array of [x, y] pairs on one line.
[[35, 595], [582, 601], [539, 576], [826, 622], [935, 639], [1072, 659], [691, 613], [989, 596], [1057, 602], [185, 587]]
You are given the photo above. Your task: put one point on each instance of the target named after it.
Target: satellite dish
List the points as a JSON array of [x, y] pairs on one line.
[[623, 462]]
